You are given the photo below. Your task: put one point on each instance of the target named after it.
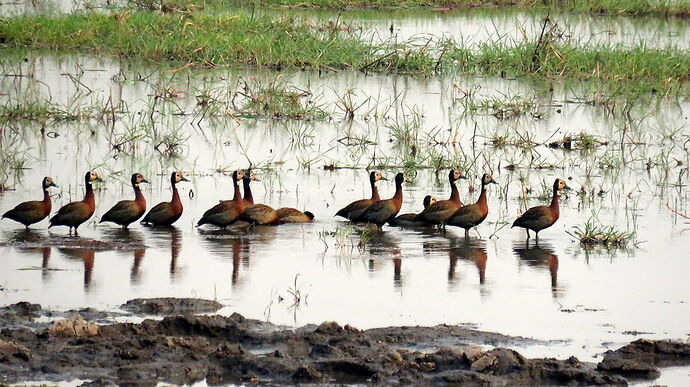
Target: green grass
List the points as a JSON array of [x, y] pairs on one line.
[[595, 234], [679, 8], [238, 40]]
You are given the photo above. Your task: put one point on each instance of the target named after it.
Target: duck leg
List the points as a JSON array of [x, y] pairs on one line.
[[527, 232]]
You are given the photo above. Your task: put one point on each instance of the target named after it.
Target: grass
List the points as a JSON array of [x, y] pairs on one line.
[[238, 40], [680, 8], [595, 234]]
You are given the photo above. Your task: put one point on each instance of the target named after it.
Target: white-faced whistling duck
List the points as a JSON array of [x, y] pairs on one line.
[[128, 211], [34, 211], [354, 210], [407, 220], [167, 213], [440, 211], [384, 210], [75, 213], [472, 215], [541, 217], [226, 212]]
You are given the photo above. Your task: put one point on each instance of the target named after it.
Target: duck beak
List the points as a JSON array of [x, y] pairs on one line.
[[54, 185], [145, 181], [383, 178], [99, 179], [567, 188], [493, 182], [463, 177], [184, 179]]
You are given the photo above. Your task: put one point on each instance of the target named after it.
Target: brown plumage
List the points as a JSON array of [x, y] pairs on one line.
[[246, 180], [354, 210], [260, 214], [167, 213], [74, 214], [440, 211], [291, 215], [31, 212], [407, 220], [226, 212], [472, 215], [541, 217], [384, 210], [128, 211]]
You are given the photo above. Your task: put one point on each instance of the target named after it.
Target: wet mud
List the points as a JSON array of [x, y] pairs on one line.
[[184, 349]]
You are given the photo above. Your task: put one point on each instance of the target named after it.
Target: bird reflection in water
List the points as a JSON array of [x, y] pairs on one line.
[[540, 255], [163, 235], [85, 255], [470, 250], [384, 246], [29, 237], [130, 239]]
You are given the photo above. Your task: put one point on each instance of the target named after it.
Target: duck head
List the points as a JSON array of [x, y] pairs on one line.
[[560, 185], [92, 176], [428, 200], [137, 179], [177, 177], [488, 179], [455, 174], [48, 182]]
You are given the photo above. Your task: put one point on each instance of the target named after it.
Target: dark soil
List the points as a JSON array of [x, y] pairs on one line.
[[187, 349]]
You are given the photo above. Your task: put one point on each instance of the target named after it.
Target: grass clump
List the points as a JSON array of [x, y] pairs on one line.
[[276, 99], [673, 8], [208, 40], [596, 234]]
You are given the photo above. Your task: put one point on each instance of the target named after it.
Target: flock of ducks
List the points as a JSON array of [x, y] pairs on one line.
[[240, 208]]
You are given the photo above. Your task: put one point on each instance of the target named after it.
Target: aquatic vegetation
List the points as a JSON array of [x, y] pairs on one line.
[[289, 42], [679, 8], [593, 233]]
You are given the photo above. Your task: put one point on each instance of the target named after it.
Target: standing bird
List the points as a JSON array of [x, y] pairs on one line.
[[128, 211], [226, 212], [384, 210], [167, 213], [407, 220], [440, 211], [472, 215], [74, 214], [354, 210], [541, 217], [31, 212], [291, 215]]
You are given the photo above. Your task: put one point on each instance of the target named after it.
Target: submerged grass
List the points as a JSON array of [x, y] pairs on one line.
[[208, 40], [675, 8], [595, 234]]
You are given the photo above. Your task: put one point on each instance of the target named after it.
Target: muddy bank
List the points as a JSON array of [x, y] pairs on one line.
[[186, 349]]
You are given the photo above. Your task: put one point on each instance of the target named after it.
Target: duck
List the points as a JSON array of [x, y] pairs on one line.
[[541, 217], [28, 213], [246, 180], [74, 214], [226, 212], [292, 215], [474, 214], [440, 211], [407, 220], [383, 211], [167, 213], [260, 214], [354, 210], [128, 211]]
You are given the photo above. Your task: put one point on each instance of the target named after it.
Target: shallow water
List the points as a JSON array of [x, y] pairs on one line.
[[581, 301]]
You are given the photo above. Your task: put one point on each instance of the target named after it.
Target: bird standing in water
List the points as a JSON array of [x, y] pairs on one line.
[[74, 214], [384, 210], [541, 217], [167, 213], [226, 212], [128, 211], [472, 215], [440, 211], [31, 212], [354, 210], [407, 220]]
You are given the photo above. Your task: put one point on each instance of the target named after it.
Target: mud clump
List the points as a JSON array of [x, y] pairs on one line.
[[223, 350], [170, 306], [641, 358]]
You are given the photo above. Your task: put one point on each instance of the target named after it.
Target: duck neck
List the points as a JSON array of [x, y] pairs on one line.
[[454, 194], [482, 197], [398, 197], [46, 195], [138, 196], [248, 197], [554, 203], [374, 191], [89, 197], [175, 197], [237, 196]]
